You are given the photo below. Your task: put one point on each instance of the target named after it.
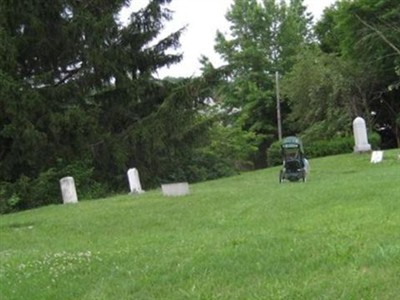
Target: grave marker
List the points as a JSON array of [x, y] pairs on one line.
[[360, 136], [175, 189], [134, 181], [376, 157], [68, 190]]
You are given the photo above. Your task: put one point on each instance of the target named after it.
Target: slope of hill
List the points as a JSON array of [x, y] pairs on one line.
[[336, 236]]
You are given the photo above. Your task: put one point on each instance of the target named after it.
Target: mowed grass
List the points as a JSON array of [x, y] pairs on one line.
[[336, 236]]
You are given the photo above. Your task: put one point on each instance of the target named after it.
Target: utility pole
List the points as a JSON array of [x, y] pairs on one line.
[[278, 106]]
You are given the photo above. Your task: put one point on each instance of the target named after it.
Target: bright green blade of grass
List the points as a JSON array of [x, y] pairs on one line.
[[245, 237]]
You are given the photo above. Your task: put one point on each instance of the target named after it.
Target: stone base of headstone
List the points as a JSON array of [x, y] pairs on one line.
[[68, 190], [136, 192], [362, 148], [175, 189]]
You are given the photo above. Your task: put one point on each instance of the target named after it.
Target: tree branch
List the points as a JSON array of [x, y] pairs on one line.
[[380, 34]]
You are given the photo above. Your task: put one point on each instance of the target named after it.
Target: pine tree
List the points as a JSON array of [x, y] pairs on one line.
[[77, 88]]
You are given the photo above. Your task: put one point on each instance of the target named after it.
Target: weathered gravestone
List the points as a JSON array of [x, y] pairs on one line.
[[376, 157], [306, 165], [360, 136], [134, 181], [175, 189], [68, 190]]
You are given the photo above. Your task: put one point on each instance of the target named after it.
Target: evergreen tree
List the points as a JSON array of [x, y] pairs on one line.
[[78, 96]]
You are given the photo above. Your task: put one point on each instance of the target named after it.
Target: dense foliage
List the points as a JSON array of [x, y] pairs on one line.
[[264, 38], [366, 36], [78, 95], [344, 67], [78, 98]]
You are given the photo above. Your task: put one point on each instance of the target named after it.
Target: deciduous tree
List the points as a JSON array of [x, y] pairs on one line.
[[264, 38]]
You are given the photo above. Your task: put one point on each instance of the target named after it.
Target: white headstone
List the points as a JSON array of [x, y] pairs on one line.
[[376, 156], [134, 181], [175, 189], [306, 166], [360, 136], [68, 190]]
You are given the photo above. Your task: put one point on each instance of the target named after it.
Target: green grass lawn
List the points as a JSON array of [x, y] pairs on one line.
[[336, 236]]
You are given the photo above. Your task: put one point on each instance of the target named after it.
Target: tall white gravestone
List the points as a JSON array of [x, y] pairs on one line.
[[68, 190], [134, 181], [360, 136]]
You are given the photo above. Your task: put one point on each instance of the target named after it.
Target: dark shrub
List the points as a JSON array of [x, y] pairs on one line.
[[320, 148], [274, 154], [28, 192]]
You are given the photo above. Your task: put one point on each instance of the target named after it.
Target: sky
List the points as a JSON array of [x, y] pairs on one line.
[[203, 18]]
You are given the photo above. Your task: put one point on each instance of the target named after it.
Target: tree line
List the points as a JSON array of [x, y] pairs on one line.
[[79, 96]]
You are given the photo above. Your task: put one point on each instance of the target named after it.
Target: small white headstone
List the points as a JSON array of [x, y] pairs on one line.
[[376, 157], [360, 136], [134, 181], [175, 189], [68, 190], [306, 166]]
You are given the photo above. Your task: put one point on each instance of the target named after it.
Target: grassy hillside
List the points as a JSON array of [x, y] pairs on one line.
[[245, 237]]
